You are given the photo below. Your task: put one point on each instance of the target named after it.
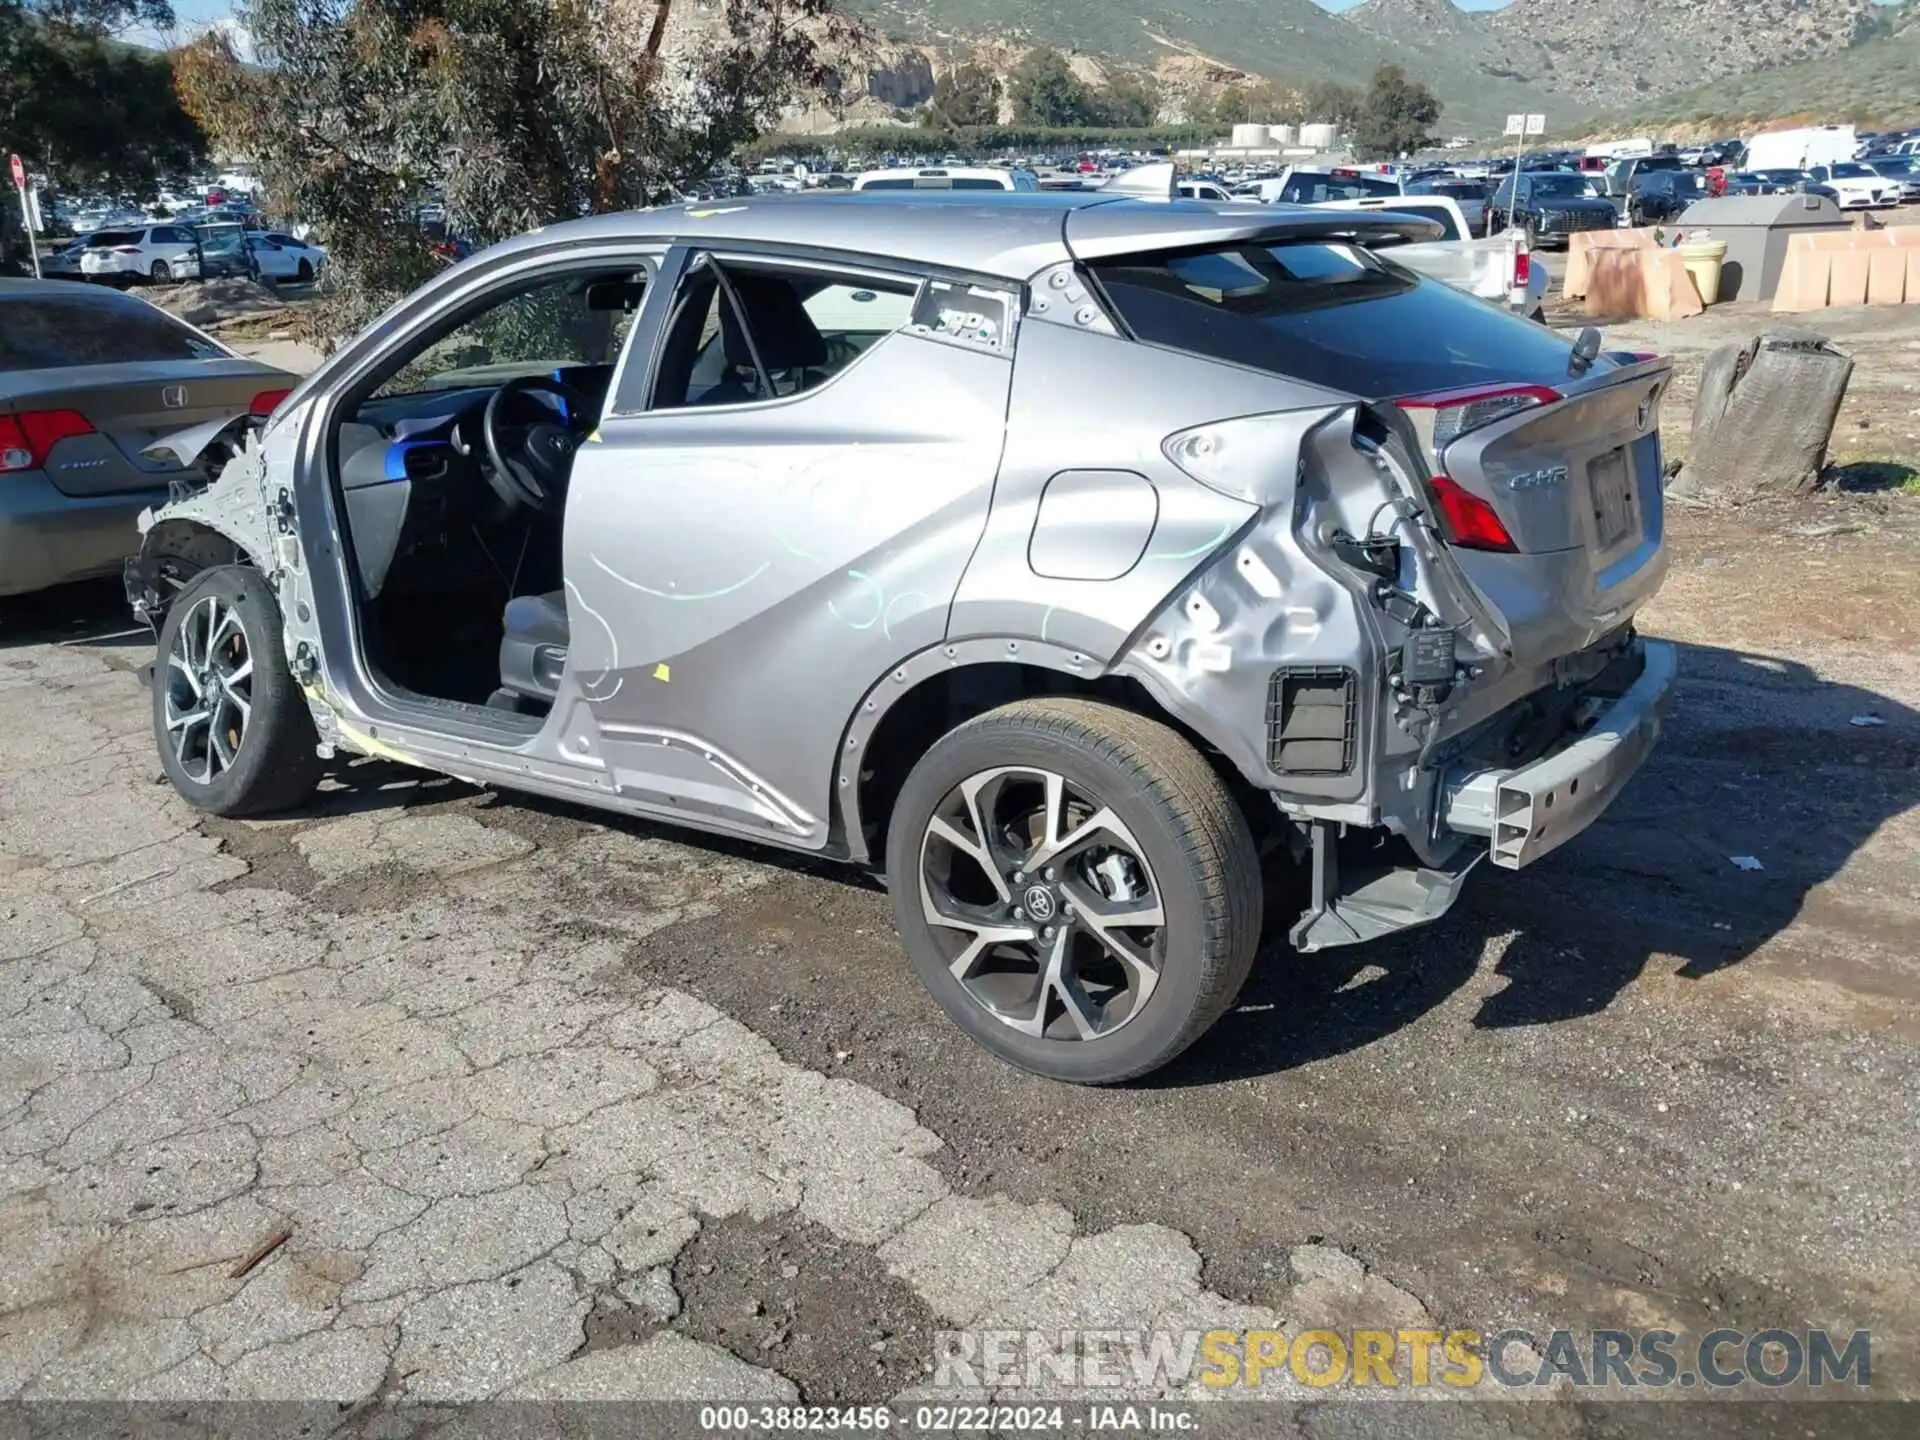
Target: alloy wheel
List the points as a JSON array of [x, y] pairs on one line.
[[1045, 908], [209, 689]]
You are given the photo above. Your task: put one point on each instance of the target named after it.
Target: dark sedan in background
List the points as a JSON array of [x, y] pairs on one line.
[[1549, 205], [90, 378], [1661, 195]]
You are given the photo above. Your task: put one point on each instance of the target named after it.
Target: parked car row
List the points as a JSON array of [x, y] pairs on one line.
[[162, 254]]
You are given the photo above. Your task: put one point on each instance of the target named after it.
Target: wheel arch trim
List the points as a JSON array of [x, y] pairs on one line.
[[905, 678], [909, 674]]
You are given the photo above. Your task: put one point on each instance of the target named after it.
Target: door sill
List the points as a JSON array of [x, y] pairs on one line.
[[458, 718]]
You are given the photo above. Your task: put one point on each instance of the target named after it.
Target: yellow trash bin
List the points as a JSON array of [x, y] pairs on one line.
[[1702, 260]]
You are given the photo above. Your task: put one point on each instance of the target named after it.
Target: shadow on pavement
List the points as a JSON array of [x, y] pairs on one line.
[[87, 612], [1761, 760]]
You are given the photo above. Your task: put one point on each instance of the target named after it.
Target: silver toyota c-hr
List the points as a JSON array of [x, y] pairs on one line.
[[1096, 566]]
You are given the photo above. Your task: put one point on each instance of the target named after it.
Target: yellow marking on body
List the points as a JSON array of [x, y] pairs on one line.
[[662, 674]]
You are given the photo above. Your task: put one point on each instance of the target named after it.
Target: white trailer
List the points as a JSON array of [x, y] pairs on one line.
[[1801, 149], [1621, 149]]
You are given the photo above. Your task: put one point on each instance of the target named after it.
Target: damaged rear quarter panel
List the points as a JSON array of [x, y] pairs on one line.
[[1222, 593]]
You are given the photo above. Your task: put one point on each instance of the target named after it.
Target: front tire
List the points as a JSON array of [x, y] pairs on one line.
[[233, 730], [1075, 886], [306, 273]]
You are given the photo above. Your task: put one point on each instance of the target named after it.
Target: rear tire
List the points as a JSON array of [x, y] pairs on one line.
[[306, 273], [162, 273], [1173, 846], [253, 751]]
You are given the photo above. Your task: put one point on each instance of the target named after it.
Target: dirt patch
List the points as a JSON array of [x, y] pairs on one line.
[[213, 303], [823, 1312], [273, 861]]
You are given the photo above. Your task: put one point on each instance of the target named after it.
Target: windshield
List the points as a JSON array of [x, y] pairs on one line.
[[1557, 187], [1305, 189], [1853, 172], [1903, 166]]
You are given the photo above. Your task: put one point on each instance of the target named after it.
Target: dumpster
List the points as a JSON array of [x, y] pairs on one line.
[[1756, 229]]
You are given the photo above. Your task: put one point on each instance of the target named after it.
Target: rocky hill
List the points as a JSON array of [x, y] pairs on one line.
[[1617, 52], [1871, 84], [1294, 42], [1572, 59], [1637, 48]]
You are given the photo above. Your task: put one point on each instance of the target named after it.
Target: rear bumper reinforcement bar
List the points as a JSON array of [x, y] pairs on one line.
[[1533, 809]]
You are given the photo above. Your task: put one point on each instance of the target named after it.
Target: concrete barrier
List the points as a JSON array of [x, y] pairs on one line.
[[1623, 281], [1583, 244], [1851, 267]]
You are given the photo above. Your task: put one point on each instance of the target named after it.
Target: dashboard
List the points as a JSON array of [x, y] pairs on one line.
[[417, 503]]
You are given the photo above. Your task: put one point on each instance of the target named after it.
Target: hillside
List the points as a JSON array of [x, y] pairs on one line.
[[1629, 48], [1873, 84], [1617, 52], [1571, 59], [1292, 41]]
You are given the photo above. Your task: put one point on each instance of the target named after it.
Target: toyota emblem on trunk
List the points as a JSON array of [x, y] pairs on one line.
[[174, 397]]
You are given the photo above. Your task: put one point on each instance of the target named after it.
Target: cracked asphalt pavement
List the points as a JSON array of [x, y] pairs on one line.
[[541, 1107]]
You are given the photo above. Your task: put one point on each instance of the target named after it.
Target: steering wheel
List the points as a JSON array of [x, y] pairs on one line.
[[528, 465]]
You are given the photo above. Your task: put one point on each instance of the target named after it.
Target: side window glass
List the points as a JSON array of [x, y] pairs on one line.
[[741, 334], [576, 321]]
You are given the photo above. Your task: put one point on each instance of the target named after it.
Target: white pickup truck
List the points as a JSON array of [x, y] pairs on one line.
[[1499, 269]]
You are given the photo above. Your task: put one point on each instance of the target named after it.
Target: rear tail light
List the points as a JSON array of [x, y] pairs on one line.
[[1522, 267], [27, 439], [266, 402], [1466, 520], [1446, 415]]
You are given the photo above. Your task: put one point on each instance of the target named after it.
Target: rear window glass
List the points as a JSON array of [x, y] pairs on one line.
[[55, 332], [1330, 314], [108, 238], [1312, 189], [1440, 214]]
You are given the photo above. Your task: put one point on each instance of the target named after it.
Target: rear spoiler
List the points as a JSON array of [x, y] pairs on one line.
[[1126, 227]]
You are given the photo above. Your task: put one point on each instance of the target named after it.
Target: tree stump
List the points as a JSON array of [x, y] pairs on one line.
[[1764, 417]]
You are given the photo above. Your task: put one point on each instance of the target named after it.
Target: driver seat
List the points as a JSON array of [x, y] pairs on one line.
[[533, 650]]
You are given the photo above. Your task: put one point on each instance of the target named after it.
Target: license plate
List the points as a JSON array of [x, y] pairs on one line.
[[1610, 483]]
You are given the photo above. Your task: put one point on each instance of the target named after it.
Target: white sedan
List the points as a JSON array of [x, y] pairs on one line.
[[279, 256], [1859, 187]]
